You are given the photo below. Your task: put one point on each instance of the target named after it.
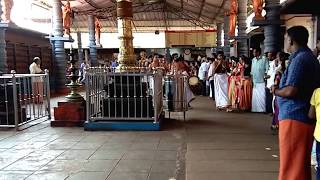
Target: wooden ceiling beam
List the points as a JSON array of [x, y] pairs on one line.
[[219, 11], [92, 4], [201, 8]]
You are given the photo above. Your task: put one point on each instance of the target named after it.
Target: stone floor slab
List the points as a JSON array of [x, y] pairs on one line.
[[108, 154], [26, 165], [233, 176], [202, 155], [14, 175], [144, 146], [168, 167], [116, 145], [169, 146], [166, 155], [137, 166], [100, 165], [96, 138], [232, 146], [46, 175], [88, 176], [232, 166], [72, 154], [160, 176], [87, 145], [128, 176], [68, 166], [140, 155], [59, 145]]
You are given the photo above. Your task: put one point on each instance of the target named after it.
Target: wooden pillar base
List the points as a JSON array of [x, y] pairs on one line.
[[69, 114]]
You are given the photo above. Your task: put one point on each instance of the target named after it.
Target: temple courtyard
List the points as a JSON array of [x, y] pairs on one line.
[[208, 145]]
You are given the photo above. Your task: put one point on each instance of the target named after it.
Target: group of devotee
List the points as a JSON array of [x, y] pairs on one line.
[[286, 86], [241, 84], [235, 84]]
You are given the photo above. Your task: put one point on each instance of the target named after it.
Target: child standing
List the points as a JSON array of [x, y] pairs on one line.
[[314, 113]]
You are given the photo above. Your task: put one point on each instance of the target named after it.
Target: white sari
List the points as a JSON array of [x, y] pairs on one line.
[[221, 90]]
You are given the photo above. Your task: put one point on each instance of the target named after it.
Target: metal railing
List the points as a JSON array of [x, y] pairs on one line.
[[176, 92], [133, 96], [24, 98]]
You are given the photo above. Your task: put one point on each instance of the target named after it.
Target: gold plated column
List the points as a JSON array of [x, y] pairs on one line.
[[126, 55]]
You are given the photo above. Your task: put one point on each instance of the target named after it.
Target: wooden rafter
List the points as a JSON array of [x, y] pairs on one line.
[[92, 4], [201, 8], [164, 10], [188, 17], [218, 12], [165, 14]]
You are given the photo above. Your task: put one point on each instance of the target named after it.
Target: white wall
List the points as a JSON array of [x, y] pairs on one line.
[[306, 22], [110, 40], [23, 11]]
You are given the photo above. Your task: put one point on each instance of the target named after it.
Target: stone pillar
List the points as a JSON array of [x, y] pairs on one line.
[[226, 47], [219, 33], [86, 55], [3, 52], [58, 41], [92, 41], [80, 51], [272, 31], [242, 27], [126, 55]]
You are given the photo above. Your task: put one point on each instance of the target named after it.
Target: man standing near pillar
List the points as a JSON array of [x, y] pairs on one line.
[[259, 68], [271, 74], [298, 82], [202, 75]]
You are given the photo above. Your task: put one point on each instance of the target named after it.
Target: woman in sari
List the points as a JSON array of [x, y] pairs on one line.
[[179, 67], [245, 92], [234, 85]]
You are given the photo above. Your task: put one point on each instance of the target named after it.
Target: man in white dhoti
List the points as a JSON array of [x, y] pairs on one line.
[[202, 75], [211, 78], [221, 82], [259, 69], [37, 82]]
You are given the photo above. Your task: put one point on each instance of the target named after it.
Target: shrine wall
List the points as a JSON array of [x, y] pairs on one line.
[[23, 45]]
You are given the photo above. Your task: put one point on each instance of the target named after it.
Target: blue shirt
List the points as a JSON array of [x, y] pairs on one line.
[[114, 64], [302, 73], [259, 68]]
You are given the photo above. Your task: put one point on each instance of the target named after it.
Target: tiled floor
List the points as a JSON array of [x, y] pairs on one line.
[[210, 145]]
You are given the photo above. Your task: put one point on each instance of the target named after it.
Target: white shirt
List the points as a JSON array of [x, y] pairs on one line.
[[34, 68], [272, 73], [211, 72], [203, 71]]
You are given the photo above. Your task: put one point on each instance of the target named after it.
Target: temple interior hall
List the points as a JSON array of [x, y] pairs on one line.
[[159, 89]]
